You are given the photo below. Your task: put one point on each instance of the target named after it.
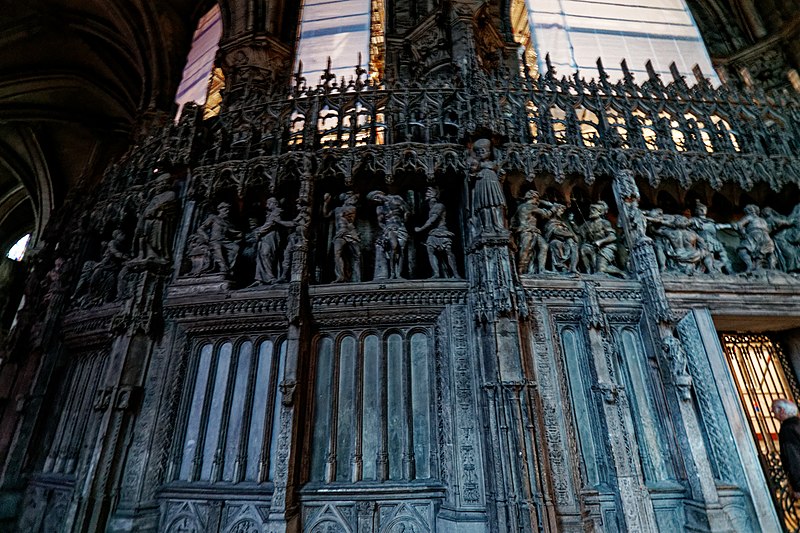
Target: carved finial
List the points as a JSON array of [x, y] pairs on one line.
[[676, 74], [327, 74], [626, 73], [551, 71], [651, 72], [601, 71]]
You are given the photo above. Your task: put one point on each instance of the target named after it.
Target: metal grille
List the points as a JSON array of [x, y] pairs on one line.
[[762, 375]]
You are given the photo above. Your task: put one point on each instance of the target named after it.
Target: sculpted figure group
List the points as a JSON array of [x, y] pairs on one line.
[[549, 240], [686, 245], [391, 240]]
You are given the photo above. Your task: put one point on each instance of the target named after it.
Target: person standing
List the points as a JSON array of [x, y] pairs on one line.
[[789, 441]]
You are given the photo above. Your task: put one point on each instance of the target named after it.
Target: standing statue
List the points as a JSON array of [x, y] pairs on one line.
[[678, 361], [529, 237], [756, 249], [268, 246], [707, 229], [599, 248], [346, 241], [297, 240], [98, 281], [562, 240], [658, 225], [214, 240], [157, 223], [440, 240], [786, 235], [390, 246], [488, 200]]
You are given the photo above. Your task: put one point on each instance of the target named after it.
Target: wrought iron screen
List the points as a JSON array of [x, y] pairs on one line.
[[762, 375]]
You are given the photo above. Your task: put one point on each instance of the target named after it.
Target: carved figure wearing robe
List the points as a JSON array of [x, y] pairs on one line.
[[785, 232], [488, 200], [686, 251], [346, 241], [678, 360], [440, 240], [157, 223], [756, 248], [530, 241], [269, 243], [599, 248], [98, 281], [657, 228], [707, 229], [390, 246], [297, 240], [562, 240], [216, 236]]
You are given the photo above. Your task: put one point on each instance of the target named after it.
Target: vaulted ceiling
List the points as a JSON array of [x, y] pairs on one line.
[[75, 76]]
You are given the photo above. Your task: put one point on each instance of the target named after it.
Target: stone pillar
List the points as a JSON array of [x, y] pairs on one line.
[[704, 511], [138, 325], [634, 498], [284, 508]]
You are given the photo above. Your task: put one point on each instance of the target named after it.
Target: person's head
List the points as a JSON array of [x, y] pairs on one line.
[[532, 195], [272, 203], [559, 209], [752, 210], [432, 193], [783, 409], [224, 208], [700, 209], [483, 148], [598, 210]]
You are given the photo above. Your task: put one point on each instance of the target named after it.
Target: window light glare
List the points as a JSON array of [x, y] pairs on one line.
[[18, 250]]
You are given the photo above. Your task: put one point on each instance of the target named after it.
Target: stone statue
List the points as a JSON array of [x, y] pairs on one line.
[[529, 237], [157, 223], [390, 246], [786, 235], [658, 225], [440, 240], [98, 281], [756, 249], [675, 354], [562, 240], [707, 228], [297, 239], [686, 251], [488, 200], [214, 240], [599, 248], [346, 241], [268, 246]]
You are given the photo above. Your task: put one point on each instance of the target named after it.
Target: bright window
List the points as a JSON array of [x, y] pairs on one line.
[[18, 250], [197, 84], [349, 32], [576, 32]]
